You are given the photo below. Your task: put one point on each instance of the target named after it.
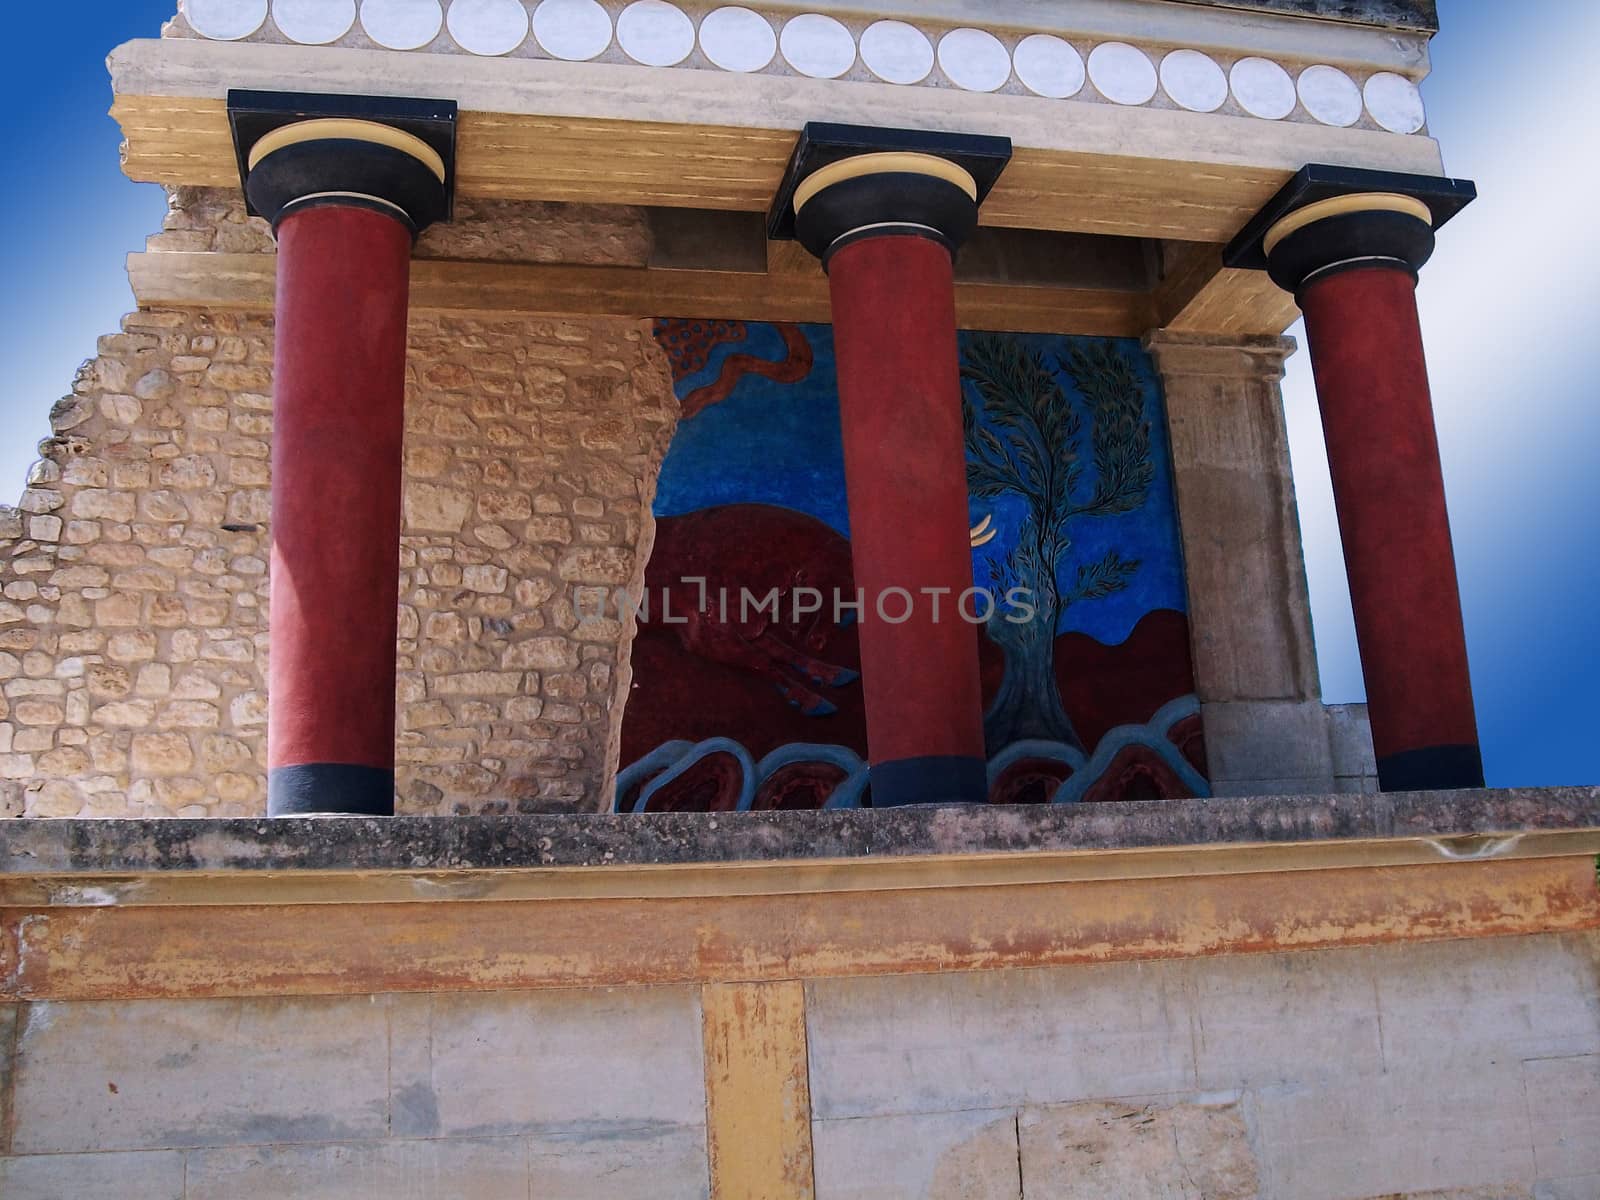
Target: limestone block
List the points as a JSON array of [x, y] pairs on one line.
[[488, 579], [1583, 1187], [1350, 739], [152, 1175], [612, 1065], [433, 507], [99, 504], [40, 500], [200, 1073], [248, 709], [218, 754], [542, 654], [161, 754], [550, 530], [37, 712], [189, 472], [121, 409], [189, 714], [1268, 740], [137, 646], [504, 506], [64, 762], [931, 1156], [1093, 1151], [480, 1168], [126, 714], [1419, 1129], [1564, 1110], [479, 683], [649, 1165], [597, 564], [1277, 1018], [938, 1043], [1500, 1000], [45, 528]]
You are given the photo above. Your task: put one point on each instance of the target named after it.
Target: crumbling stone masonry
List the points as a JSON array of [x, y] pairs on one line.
[[133, 623]]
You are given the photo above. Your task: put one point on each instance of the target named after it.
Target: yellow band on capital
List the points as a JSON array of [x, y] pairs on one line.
[[1341, 206], [325, 128], [882, 164]]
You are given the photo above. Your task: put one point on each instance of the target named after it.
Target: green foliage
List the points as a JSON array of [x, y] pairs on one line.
[[1105, 578], [1033, 443]]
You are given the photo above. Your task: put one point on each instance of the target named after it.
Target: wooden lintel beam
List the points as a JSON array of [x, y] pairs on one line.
[[246, 281], [1200, 295]]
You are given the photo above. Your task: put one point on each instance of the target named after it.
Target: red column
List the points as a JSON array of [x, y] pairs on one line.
[[1372, 384], [905, 469], [336, 475]]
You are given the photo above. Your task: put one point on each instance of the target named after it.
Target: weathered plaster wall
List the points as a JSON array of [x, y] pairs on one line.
[[1453, 1070], [133, 572]]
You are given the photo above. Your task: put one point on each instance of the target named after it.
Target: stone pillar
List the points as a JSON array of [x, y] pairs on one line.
[[1352, 262], [346, 199], [1267, 732], [887, 226]]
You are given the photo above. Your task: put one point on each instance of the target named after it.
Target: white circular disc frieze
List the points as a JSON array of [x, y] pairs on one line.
[[737, 39], [1194, 81], [817, 46], [975, 60], [488, 27], [896, 52], [402, 24], [1122, 73], [655, 33], [1330, 96], [226, 20], [314, 22], [1262, 88], [1049, 66], [1395, 103], [576, 30]]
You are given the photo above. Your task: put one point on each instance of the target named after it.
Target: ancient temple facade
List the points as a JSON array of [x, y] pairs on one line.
[[665, 599]]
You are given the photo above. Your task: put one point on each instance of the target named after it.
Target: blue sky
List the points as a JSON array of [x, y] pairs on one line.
[[1510, 309]]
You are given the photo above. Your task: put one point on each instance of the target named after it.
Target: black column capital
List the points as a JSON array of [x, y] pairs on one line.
[[845, 182], [299, 151], [1328, 219]]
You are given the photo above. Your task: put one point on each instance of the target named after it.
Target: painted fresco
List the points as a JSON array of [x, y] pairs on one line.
[[1088, 685]]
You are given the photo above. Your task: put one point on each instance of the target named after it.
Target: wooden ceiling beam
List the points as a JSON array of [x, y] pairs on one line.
[[246, 281]]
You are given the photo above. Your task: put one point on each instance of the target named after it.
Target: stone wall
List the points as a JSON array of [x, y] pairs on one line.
[[1461, 1070], [133, 572], [1267, 729]]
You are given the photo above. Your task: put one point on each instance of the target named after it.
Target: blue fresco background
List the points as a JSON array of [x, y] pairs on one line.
[[779, 443], [1510, 306]]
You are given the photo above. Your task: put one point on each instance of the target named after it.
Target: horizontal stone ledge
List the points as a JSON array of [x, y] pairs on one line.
[[222, 944], [1438, 826]]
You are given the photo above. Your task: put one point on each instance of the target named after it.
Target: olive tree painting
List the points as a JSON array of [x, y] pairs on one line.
[[1071, 502], [1072, 459]]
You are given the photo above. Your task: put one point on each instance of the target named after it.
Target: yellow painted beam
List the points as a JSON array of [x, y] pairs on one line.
[[758, 1091], [219, 949]]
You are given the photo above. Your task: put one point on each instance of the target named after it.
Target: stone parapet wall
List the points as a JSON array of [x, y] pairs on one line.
[[1463, 1069], [133, 572]]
